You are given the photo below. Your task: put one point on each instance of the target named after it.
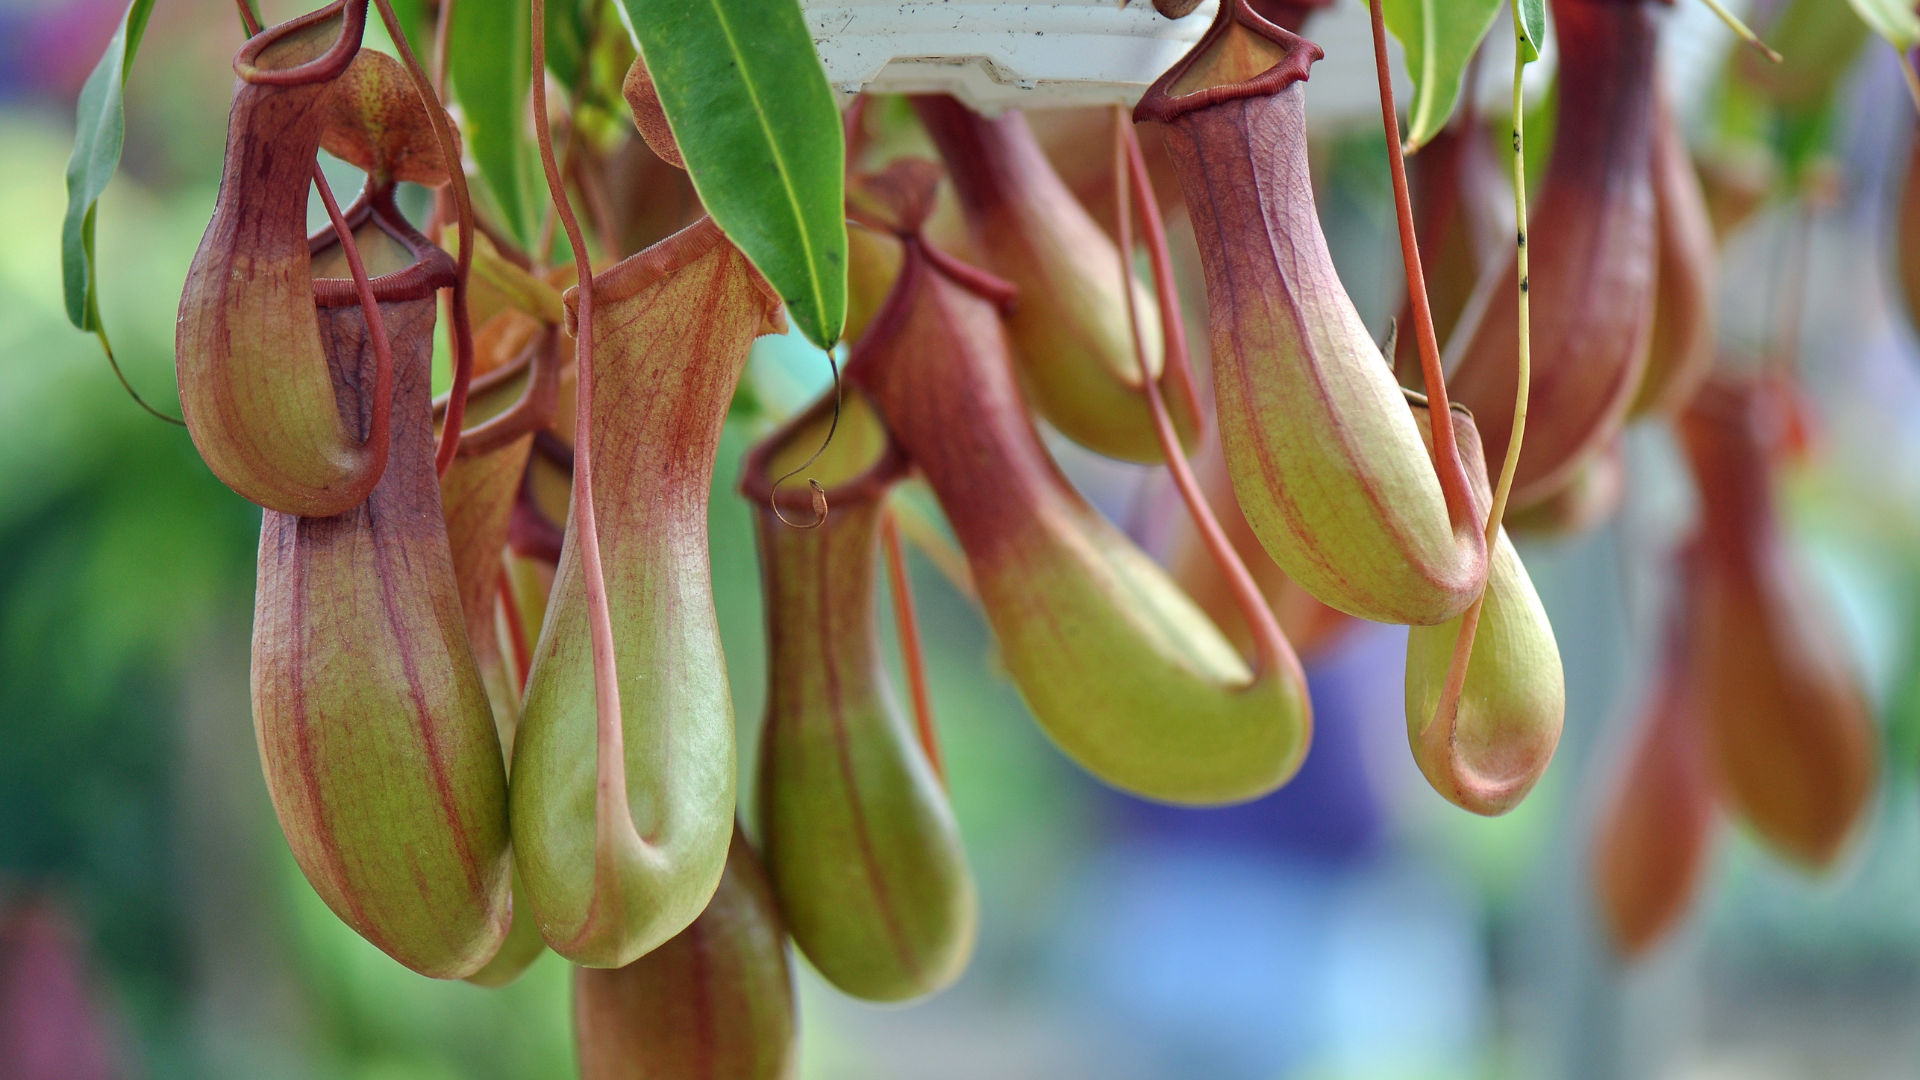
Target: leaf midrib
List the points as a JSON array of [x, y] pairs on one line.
[[779, 159]]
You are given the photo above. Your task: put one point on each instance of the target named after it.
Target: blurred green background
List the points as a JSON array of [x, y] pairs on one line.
[[1359, 928]]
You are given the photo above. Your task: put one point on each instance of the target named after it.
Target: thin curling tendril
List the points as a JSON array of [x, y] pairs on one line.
[[819, 493], [114, 363], [100, 331]]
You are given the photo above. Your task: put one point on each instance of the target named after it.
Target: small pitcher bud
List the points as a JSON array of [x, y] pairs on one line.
[[1504, 728]]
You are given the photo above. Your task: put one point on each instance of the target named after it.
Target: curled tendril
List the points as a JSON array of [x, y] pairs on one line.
[[114, 362], [819, 506], [819, 493]]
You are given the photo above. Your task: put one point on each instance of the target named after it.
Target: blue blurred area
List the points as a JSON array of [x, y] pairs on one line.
[[1332, 812], [1351, 926], [1288, 934]]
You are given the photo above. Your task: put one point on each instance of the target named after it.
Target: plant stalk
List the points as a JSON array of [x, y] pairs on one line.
[[1446, 451], [1272, 652], [610, 802], [912, 656]]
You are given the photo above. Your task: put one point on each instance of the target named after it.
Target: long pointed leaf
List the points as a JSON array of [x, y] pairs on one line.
[[1439, 37], [100, 124], [492, 59], [757, 124]]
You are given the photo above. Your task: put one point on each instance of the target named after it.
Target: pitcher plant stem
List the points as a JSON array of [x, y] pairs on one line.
[[912, 657], [1271, 648]]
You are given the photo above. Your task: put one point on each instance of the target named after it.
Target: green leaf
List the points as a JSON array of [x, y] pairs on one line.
[[491, 53], [567, 28], [757, 123], [1891, 19], [1439, 37], [1530, 27], [100, 124]]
